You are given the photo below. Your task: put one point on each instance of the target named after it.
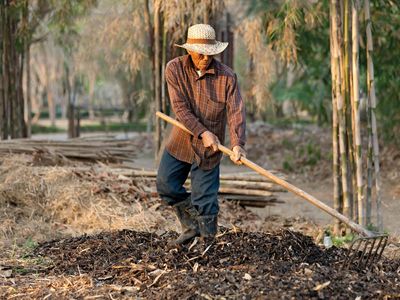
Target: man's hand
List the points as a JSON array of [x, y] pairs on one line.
[[210, 140], [238, 152]]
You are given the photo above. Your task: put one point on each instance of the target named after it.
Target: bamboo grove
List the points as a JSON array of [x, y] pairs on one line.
[[355, 147]]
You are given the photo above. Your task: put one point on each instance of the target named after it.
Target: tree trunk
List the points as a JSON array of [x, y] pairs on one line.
[[12, 66], [3, 76], [157, 77], [28, 116], [92, 81]]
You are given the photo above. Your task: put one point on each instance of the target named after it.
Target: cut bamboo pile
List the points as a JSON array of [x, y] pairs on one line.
[[108, 149], [246, 189]]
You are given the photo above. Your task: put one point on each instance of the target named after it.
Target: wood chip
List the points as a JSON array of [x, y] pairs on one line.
[[247, 276], [321, 286]]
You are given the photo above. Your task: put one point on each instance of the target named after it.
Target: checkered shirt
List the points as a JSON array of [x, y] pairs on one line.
[[202, 103]]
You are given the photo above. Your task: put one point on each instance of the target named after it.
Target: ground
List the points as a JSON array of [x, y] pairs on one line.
[[79, 231]]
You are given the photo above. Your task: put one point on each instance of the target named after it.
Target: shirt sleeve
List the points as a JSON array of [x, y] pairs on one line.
[[180, 103], [236, 115]]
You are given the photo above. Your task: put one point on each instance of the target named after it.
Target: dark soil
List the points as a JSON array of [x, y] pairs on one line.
[[240, 265]]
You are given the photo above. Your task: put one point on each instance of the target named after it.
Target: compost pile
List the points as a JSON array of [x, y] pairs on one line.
[[282, 264]]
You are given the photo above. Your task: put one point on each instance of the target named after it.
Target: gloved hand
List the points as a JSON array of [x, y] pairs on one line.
[[210, 140], [238, 152]]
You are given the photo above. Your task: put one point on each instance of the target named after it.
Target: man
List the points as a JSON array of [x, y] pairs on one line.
[[204, 96]]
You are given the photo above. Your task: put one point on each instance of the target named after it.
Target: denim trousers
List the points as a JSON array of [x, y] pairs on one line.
[[172, 174]]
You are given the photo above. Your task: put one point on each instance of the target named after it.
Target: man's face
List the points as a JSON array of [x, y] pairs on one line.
[[200, 61]]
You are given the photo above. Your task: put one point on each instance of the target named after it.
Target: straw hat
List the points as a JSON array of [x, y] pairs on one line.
[[201, 39]]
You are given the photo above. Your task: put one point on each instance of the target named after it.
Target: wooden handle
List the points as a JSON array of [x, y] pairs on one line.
[[290, 187]]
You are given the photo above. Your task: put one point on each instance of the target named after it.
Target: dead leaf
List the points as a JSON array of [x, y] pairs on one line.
[[321, 286], [308, 272], [195, 267]]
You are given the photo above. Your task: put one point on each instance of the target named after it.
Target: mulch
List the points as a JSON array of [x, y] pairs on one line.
[[240, 265]]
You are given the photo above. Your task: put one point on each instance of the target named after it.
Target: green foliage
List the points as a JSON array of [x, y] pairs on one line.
[[340, 241], [115, 127], [299, 31], [45, 129], [288, 163], [29, 244], [304, 155], [374, 228]]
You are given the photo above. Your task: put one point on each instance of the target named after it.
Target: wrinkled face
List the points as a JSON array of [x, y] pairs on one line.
[[200, 61]]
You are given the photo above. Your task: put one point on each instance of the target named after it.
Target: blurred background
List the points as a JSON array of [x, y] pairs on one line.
[[100, 63]]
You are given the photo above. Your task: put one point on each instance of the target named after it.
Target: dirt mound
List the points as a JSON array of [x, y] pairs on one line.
[[282, 264]]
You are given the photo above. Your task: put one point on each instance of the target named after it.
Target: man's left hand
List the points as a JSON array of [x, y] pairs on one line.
[[238, 152]]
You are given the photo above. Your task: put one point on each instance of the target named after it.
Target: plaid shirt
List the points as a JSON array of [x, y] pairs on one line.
[[202, 103]]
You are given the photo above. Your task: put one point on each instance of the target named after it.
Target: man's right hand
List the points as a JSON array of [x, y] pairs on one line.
[[210, 140]]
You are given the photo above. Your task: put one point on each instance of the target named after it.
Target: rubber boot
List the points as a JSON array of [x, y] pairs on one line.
[[186, 214], [208, 226]]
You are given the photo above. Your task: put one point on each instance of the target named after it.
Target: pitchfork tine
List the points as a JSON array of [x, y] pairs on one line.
[[370, 252], [362, 255], [364, 251], [383, 247], [352, 252]]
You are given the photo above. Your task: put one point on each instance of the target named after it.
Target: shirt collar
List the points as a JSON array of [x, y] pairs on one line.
[[189, 64]]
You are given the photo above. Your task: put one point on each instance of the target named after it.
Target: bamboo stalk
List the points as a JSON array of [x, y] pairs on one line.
[[267, 186], [257, 204], [151, 175], [225, 190], [348, 109], [372, 104], [337, 199], [251, 198], [356, 113], [341, 111], [239, 177], [368, 203]]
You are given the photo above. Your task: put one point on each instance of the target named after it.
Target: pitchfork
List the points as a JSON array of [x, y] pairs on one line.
[[363, 252]]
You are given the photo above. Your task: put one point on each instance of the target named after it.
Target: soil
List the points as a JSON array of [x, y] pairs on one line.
[[241, 265], [94, 235]]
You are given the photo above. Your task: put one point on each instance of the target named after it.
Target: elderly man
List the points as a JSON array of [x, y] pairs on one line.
[[204, 96]]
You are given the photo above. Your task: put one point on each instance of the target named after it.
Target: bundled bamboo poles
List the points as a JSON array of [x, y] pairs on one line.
[[349, 187], [247, 189], [99, 149]]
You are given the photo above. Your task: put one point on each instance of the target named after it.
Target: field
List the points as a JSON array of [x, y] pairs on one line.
[[73, 234]]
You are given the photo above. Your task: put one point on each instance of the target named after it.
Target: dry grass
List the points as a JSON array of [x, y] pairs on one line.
[[39, 203], [62, 287]]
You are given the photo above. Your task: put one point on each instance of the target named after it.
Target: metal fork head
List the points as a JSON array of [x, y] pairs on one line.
[[365, 251]]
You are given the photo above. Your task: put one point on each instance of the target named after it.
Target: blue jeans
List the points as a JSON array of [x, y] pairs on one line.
[[172, 174]]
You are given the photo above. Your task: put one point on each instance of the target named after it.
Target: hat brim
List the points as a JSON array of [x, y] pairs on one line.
[[205, 49]]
